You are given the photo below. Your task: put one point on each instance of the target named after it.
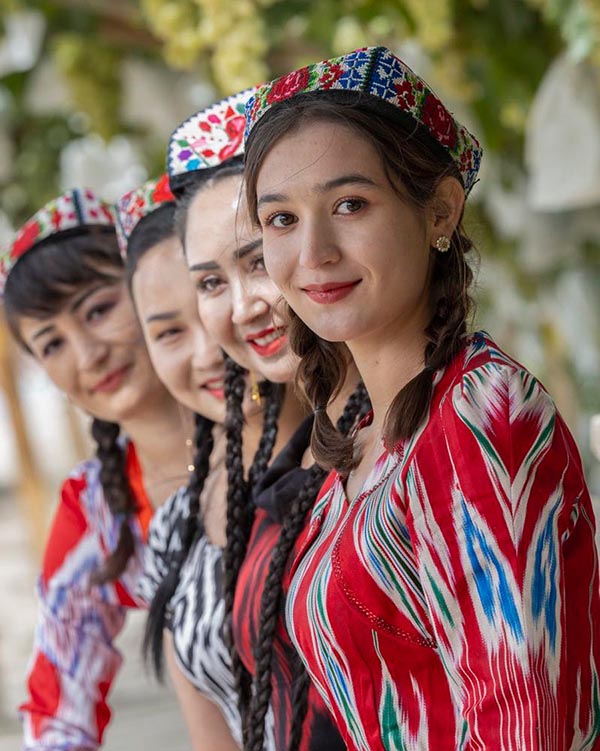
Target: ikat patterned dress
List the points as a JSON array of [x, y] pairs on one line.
[[454, 603], [75, 660]]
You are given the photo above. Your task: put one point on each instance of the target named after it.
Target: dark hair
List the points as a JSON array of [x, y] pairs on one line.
[[272, 598], [240, 509], [152, 647], [155, 227], [414, 167], [40, 285], [195, 182]]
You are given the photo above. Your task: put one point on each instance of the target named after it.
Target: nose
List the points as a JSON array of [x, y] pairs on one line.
[[90, 351], [318, 246], [246, 303], [206, 353]]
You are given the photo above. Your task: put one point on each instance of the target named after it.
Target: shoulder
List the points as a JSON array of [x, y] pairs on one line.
[[484, 387]]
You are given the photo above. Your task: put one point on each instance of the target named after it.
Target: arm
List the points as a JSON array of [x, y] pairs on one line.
[[74, 661], [206, 725], [503, 530]]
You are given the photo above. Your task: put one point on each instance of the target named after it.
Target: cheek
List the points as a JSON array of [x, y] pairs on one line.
[[279, 263]]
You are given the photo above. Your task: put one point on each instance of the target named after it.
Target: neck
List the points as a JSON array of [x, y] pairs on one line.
[[387, 363], [159, 433]]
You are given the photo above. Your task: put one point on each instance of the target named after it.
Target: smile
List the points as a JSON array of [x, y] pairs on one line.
[[326, 294], [112, 382], [215, 386], [268, 342]]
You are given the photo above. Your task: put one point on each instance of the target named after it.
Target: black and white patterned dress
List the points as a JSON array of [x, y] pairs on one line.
[[196, 610]]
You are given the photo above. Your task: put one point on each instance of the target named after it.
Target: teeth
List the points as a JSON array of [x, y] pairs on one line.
[[264, 340], [215, 385]]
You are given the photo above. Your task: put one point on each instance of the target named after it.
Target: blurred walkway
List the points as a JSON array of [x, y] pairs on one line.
[[145, 715]]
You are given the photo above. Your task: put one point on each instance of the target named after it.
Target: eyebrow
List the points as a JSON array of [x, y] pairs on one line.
[[208, 266], [75, 305], [336, 182], [244, 250], [168, 315]]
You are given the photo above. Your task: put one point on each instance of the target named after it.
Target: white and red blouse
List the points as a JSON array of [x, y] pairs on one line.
[[74, 661]]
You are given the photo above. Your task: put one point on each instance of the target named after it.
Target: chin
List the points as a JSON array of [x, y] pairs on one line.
[[281, 369]]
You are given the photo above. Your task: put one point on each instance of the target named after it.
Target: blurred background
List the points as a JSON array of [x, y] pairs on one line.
[[90, 91]]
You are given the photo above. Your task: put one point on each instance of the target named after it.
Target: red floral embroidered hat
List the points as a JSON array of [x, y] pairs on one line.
[[378, 73], [207, 139], [138, 203], [72, 210]]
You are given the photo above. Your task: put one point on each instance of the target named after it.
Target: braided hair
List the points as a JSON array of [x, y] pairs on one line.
[[40, 285], [240, 509], [152, 646], [414, 168], [272, 598]]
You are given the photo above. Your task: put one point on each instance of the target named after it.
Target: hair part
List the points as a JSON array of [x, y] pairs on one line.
[[414, 166], [197, 181], [155, 227]]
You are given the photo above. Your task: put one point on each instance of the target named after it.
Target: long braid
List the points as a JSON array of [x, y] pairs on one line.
[[240, 509], [272, 598], [118, 495], [155, 623]]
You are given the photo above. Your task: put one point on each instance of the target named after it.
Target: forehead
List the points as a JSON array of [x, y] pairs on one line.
[[316, 152], [218, 222], [162, 276]]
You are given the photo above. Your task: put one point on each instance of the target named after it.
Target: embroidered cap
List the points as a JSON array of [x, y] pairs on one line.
[[207, 139], [75, 208], [138, 203], [379, 73]]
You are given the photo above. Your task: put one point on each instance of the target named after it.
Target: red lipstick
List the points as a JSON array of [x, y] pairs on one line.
[[268, 342], [112, 381], [330, 292]]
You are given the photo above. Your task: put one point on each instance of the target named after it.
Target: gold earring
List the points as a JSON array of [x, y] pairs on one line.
[[255, 389], [442, 244]]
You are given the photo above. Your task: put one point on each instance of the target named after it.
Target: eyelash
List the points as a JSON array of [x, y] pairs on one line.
[[208, 284], [173, 331], [99, 310], [51, 347]]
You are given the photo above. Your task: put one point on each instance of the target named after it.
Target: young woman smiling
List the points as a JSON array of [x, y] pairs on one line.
[[445, 594], [67, 304], [238, 303], [182, 580]]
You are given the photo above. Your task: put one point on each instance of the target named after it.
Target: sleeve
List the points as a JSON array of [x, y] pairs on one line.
[[503, 531], [74, 661], [164, 543]]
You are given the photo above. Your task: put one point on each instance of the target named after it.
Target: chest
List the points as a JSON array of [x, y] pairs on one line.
[[359, 563]]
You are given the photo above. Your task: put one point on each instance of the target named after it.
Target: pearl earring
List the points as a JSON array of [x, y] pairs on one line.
[[442, 244]]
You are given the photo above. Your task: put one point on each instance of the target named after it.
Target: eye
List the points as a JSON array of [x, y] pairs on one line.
[[209, 284], [168, 333], [257, 264], [51, 347], [350, 205], [281, 220], [98, 311]]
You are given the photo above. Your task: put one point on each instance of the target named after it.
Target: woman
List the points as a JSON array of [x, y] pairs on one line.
[[183, 563], [445, 594], [237, 302], [67, 304]]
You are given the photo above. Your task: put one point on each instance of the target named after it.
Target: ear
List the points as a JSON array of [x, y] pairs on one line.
[[446, 209]]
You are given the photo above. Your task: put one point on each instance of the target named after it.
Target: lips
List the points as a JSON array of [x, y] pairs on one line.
[[112, 382], [330, 292], [215, 386], [268, 342]]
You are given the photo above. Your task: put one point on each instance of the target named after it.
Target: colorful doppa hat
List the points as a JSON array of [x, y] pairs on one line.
[[377, 72], [138, 203], [207, 139], [71, 210]]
